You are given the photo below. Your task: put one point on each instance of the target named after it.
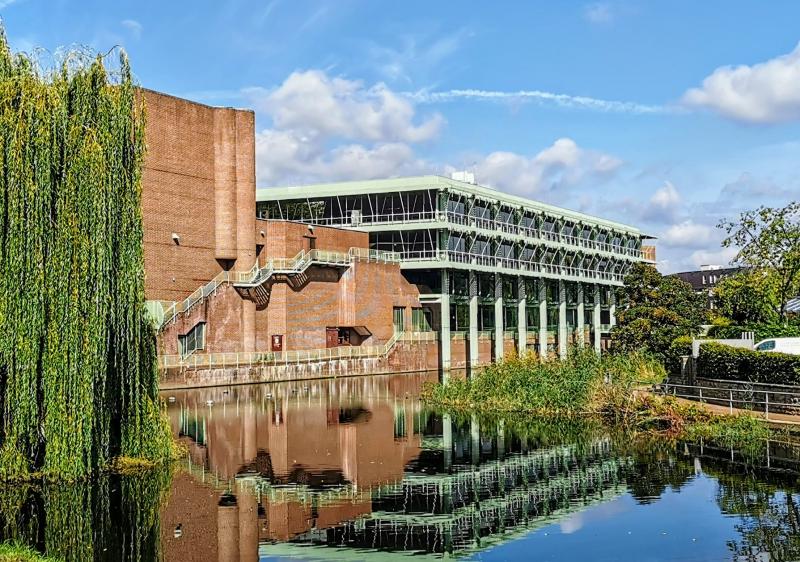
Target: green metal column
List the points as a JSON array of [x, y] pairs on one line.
[[473, 319], [445, 322], [581, 323], [498, 317], [612, 307], [522, 320], [544, 335], [562, 319], [596, 318]]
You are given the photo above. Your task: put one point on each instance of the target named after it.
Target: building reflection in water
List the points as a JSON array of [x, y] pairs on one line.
[[358, 463]]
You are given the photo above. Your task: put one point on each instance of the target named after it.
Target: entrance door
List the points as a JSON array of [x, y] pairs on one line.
[[331, 337]]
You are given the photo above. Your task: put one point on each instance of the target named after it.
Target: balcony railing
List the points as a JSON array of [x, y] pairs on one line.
[[516, 265], [484, 223]]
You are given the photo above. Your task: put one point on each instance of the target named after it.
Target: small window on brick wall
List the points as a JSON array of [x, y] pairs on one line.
[[193, 340]]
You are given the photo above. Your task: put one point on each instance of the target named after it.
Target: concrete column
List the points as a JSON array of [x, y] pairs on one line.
[[543, 333], [612, 308], [581, 324], [596, 318], [475, 439], [498, 317], [562, 319], [473, 319], [501, 439], [248, 527], [522, 320], [444, 333], [447, 440], [228, 532]]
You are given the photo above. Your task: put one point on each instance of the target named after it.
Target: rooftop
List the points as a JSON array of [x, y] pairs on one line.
[[417, 183]]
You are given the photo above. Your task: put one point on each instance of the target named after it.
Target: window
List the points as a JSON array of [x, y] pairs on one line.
[[768, 345], [398, 318], [193, 340], [421, 320]]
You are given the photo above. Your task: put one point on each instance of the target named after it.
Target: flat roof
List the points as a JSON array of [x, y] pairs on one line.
[[417, 183]]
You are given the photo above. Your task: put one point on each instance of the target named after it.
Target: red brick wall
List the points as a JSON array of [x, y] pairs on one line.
[[285, 239], [198, 182]]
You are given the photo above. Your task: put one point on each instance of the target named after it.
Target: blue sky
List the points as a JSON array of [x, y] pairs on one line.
[[668, 116]]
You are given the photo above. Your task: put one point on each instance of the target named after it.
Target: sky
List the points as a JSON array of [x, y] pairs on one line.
[[668, 116]]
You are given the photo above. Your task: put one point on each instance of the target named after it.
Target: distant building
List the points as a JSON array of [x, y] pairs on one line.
[[704, 280]]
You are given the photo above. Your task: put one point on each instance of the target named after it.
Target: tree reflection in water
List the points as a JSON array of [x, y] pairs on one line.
[[112, 518], [352, 466]]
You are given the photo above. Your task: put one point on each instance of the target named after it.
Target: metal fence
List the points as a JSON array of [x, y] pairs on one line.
[[262, 359], [785, 401]]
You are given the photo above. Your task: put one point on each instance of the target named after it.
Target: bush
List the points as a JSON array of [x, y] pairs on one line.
[[719, 361], [680, 346], [761, 331]]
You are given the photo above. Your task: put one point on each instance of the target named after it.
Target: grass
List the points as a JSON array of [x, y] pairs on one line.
[[585, 385], [14, 552]]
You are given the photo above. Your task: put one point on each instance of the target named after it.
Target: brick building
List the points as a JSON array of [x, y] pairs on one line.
[[356, 277]]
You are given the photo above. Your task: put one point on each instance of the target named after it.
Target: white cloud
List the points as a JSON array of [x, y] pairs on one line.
[[766, 92], [327, 128], [688, 234], [133, 26], [7, 3], [539, 96], [723, 256], [318, 105], [663, 205], [598, 13], [561, 165], [420, 56]]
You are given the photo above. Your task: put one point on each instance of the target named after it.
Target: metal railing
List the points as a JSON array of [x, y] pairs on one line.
[[484, 223], [259, 359], [761, 400], [513, 264], [258, 275]]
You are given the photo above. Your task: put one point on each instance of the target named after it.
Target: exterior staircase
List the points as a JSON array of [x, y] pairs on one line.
[[252, 284]]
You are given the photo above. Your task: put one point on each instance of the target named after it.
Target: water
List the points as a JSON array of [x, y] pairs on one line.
[[341, 470]]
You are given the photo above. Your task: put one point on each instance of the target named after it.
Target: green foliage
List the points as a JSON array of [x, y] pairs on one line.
[[768, 239], [78, 375], [680, 347], [13, 552], [560, 388], [762, 330], [719, 361], [653, 310], [750, 296], [81, 520]]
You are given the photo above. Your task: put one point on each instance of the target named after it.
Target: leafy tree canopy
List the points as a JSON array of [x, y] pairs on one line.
[[768, 238], [653, 310], [751, 296]]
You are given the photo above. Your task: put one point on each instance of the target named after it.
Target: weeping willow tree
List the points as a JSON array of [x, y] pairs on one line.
[[78, 374]]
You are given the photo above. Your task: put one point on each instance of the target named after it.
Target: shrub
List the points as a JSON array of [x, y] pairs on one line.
[[719, 361], [680, 346], [761, 331]]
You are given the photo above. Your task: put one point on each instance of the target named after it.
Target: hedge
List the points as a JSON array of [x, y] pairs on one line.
[[680, 346], [762, 331], [719, 361]]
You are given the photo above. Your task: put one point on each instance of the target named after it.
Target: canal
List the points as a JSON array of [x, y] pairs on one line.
[[349, 468]]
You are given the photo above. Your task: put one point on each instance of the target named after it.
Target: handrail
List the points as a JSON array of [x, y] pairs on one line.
[[257, 275], [258, 358], [740, 398]]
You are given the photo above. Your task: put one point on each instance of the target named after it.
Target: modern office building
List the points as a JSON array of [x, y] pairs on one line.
[[488, 265], [391, 275]]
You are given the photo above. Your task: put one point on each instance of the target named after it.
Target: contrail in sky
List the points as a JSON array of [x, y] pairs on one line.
[[562, 100]]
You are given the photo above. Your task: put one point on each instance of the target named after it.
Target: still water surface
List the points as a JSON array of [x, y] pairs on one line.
[[358, 469]]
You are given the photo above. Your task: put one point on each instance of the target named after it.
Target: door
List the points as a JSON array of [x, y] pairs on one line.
[[331, 337]]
